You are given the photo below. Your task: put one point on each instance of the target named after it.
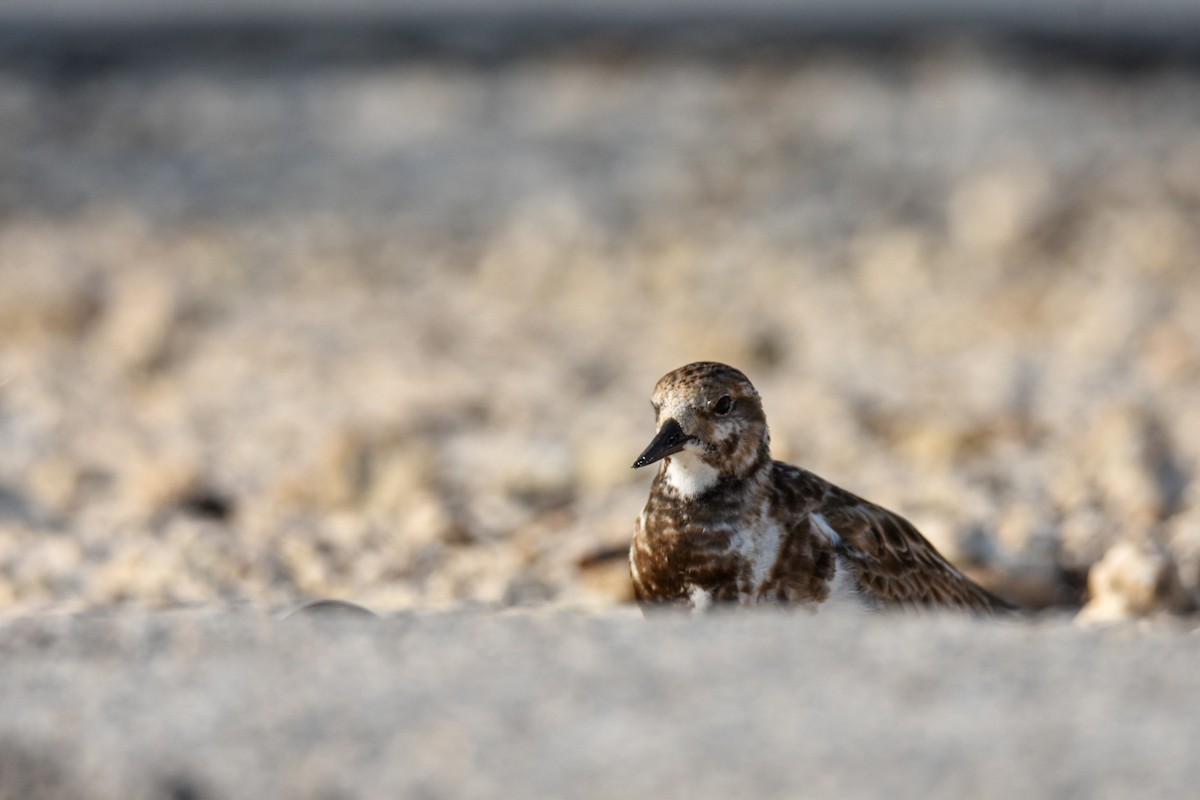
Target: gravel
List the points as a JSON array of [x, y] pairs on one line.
[[281, 325]]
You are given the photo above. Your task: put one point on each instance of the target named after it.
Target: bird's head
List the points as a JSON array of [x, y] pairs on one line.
[[709, 417]]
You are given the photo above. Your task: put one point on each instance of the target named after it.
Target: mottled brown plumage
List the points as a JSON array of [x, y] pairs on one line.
[[725, 523]]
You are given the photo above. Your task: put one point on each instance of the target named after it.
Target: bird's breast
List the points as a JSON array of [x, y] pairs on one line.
[[681, 554]]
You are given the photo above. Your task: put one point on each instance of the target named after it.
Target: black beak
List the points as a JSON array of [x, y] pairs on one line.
[[670, 440]]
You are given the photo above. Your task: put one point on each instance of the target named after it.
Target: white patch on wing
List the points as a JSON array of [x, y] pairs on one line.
[[701, 599], [688, 475], [822, 525], [844, 590]]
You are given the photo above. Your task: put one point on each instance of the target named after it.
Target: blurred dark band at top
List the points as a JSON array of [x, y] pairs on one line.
[[1108, 30]]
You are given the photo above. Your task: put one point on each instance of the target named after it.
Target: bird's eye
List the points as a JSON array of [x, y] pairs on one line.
[[723, 406]]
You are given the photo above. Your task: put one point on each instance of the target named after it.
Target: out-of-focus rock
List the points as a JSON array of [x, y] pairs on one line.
[[506, 481], [1134, 579], [1182, 537], [996, 208], [15, 506], [306, 567], [380, 467], [48, 567], [42, 301], [1118, 456], [56, 483], [151, 484], [140, 314], [1124, 474], [893, 263], [1171, 353], [1085, 535], [1032, 572]]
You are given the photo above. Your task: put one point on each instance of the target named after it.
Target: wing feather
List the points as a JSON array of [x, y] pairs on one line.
[[894, 562]]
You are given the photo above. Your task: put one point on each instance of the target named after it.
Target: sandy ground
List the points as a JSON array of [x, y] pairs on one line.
[[473, 704]]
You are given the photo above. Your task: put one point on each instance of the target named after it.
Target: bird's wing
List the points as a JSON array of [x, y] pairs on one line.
[[892, 561]]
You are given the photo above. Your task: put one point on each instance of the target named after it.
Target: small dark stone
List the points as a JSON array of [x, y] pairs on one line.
[[332, 609], [207, 504], [181, 787]]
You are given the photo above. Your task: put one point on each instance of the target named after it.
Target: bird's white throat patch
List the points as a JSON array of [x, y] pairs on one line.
[[688, 475]]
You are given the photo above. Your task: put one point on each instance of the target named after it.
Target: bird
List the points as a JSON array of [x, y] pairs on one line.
[[725, 524]]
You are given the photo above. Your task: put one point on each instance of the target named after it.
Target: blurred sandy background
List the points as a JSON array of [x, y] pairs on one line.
[[285, 316]]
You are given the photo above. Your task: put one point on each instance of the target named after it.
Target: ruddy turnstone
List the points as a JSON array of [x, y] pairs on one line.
[[727, 524]]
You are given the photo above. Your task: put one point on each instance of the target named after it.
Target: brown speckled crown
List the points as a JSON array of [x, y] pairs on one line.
[[746, 529], [700, 372], [688, 396]]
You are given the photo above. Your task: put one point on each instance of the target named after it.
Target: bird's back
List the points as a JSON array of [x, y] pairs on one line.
[[891, 564]]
